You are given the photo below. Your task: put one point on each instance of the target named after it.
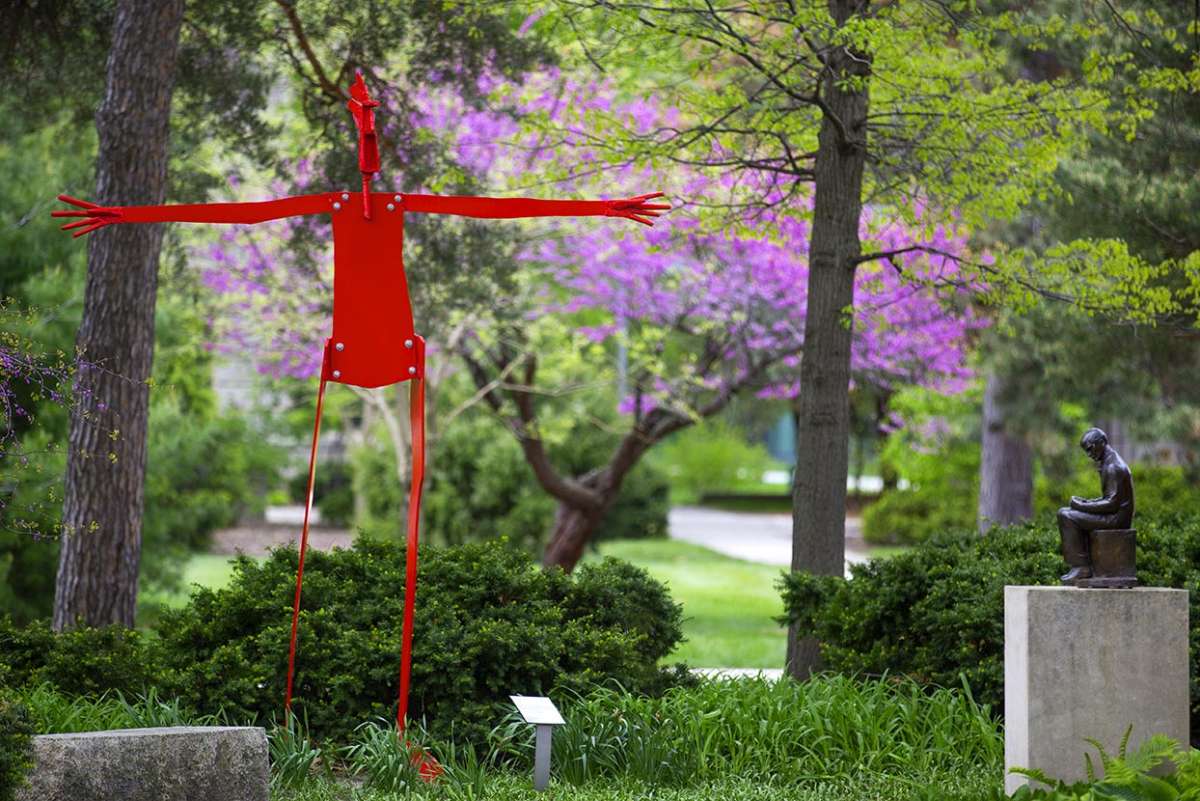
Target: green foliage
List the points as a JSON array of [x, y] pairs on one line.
[[640, 511], [16, 746], [948, 503], [713, 456], [1127, 776], [203, 468], [479, 486], [382, 758], [202, 474], [294, 757], [935, 613], [82, 661], [937, 453], [333, 492], [907, 517], [55, 712], [488, 623]]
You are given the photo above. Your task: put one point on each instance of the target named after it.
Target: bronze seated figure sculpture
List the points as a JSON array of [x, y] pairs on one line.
[[1098, 541]]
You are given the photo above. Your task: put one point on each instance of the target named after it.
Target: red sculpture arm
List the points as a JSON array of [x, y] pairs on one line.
[[634, 208], [94, 217]]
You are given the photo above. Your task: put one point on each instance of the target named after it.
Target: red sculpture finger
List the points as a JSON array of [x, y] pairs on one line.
[[636, 218], [77, 224], [71, 213], [74, 201], [94, 226], [649, 196]]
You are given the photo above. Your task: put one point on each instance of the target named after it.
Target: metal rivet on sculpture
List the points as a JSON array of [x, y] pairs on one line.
[[1098, 541], [376, 344]]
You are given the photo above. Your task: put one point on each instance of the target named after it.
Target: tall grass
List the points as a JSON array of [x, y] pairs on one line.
[[824, 729], [53, 712], [294, 756]]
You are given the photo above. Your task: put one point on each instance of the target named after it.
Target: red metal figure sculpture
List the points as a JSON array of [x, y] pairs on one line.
[[373, 342]]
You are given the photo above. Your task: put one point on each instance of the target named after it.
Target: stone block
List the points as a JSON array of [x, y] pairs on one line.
[[200, 763], [1088, 663]]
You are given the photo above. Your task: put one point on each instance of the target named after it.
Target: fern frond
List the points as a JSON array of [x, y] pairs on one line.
[[1114, 792], [1157, 749], [1104, 757], [1125, 741], [1037, 775]]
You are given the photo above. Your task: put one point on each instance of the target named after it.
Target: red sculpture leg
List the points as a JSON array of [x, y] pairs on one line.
[[428, 768], [417, 422], [308, 502]]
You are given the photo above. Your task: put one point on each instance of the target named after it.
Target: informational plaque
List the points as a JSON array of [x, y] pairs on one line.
[[543, 714], [538, 710]]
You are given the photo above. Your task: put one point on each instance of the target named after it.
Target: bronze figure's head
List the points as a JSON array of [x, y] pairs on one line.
[[1094, 443]]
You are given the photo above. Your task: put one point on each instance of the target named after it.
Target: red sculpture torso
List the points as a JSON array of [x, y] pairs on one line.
[[373, 341]]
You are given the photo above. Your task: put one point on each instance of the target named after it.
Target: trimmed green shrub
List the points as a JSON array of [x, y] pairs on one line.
[[489, 623], [936, 613], [83, 661], [16, 745]]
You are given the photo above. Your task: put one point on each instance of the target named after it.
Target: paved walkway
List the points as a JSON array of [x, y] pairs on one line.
[[755, 537]]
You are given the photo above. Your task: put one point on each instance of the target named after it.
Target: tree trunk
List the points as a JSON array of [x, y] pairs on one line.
[[1006, 467], [573, 528], [102, 505], [822, 435]]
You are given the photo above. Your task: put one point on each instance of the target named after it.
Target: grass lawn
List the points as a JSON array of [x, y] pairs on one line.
[[729, 605], [206, 569]]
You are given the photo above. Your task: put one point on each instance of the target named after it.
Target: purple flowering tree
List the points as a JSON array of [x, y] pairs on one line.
[[705, 315]]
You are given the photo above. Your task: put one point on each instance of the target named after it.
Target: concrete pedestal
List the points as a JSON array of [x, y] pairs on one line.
[[1089, 663], [169, 764]]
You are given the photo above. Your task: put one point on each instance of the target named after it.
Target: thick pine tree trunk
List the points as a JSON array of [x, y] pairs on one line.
[[1006, 467], [823, 421], [102, 505]]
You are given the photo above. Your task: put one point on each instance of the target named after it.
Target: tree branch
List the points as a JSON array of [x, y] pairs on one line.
[[327, 86], [566, 490]]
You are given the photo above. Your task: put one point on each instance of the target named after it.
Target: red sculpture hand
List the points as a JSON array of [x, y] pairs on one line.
[[636, 208], [94, 217]]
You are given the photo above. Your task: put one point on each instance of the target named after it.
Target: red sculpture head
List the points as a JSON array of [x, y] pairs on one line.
[[362, 107]]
